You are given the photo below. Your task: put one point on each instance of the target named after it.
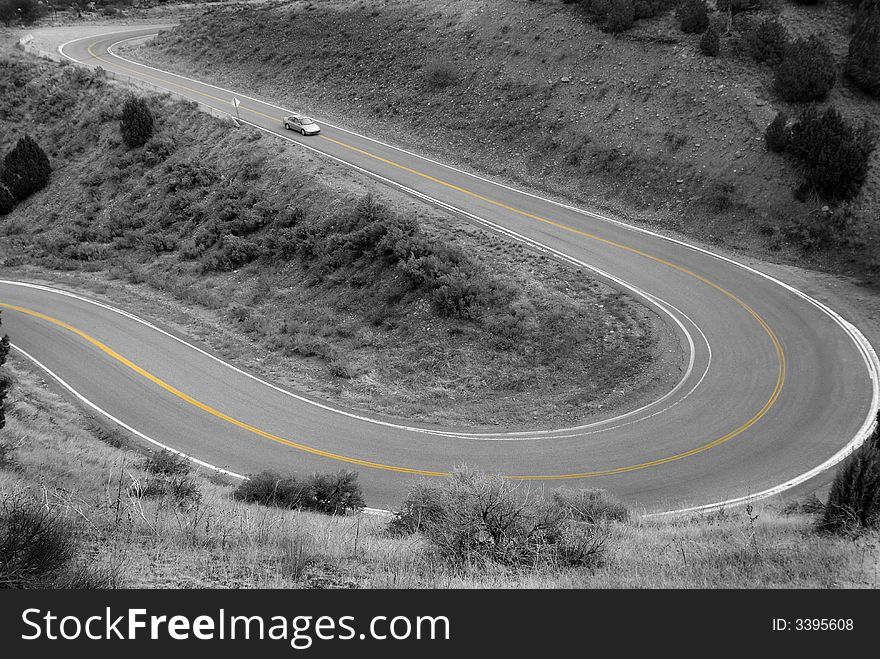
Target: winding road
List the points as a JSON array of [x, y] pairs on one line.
[[777, 387]]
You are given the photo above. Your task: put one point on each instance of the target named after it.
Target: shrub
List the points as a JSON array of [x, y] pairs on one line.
[[591, 506], [710, 43], [36, 546], [457, 294], [182, 488], [8, 12], [332, 494], [693, 16], [235, 252], [171, 478], [777, 134], [166, 463], [158, 149], [25, 11], [471, 518], [651, 8], [423, 505], [809, 505], [26, 169], [596, 9], [441, 74], [271, 489], [806, 72], [617, 15], [863, 61], [818, 230], [137, 122], [766, 42], [621, 16], [854, 501], [7, 201], [833, 155]]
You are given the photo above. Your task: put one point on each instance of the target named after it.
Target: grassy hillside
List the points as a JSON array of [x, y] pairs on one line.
[[641, 122], [121, 526], [359, 294]]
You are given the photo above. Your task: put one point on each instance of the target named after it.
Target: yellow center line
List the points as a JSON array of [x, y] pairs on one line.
[[165, 82], [780, 354], [207, 408]]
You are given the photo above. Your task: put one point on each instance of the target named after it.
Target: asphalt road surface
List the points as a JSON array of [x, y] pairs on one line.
[[777, 387]]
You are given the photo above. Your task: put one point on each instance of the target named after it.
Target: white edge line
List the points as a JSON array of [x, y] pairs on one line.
[[867, 350], [119, 422], [85, 401], [442, 433]]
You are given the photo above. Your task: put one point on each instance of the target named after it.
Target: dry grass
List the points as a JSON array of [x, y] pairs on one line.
[[218, 542]]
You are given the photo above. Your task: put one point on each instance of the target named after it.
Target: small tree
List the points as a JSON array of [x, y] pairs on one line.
[[24, 11], [7, 201], [710, 43], [863, 61], [7, 12], [766, 42], [693, 16], [137, 122], [806, 72], [833, 154], [26, 168], [777, 134], [854, 501]]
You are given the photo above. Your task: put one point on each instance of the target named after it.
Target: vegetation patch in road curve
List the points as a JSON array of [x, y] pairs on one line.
[[359, 294]]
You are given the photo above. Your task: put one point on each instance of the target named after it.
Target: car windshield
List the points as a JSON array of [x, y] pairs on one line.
[[305, 121]]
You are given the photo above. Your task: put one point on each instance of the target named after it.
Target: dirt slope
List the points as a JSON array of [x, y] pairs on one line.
[[641, 123]]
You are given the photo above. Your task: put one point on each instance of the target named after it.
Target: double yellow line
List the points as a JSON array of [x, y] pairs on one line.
[[207, 408], [780, 353]]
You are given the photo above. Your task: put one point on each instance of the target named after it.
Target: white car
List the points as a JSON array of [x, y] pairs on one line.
[[303, 124]]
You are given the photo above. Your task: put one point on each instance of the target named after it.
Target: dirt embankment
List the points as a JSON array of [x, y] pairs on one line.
[[324, 282], [640, 124]]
